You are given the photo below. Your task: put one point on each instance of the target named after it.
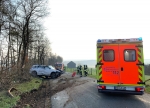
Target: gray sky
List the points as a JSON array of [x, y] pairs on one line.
[[74, 26]]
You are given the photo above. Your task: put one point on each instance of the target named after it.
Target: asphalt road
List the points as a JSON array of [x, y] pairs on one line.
[[87, 96]]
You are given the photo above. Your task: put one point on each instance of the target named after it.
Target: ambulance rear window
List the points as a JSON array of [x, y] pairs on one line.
[[108, 55], [130, 55]]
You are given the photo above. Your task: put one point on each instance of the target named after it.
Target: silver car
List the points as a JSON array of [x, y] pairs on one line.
[[43, 70]]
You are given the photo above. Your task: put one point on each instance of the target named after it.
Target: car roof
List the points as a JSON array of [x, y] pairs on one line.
[[34, 65]]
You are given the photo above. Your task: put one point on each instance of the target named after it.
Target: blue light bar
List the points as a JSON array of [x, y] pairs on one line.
[[140, 38], [98, 40]]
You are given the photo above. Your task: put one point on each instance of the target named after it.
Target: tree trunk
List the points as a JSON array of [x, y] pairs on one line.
[[18, 59]]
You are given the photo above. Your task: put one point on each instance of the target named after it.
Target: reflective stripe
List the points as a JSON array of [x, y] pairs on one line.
[[100, 72], [100, 66], [140, 69], [100, 55], [99, 60], [142, 62]]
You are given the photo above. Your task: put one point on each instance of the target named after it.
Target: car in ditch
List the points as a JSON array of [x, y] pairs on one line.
[[44, 70]]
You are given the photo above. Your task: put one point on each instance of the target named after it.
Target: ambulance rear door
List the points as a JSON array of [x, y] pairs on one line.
[[130, 61], [108, 64]]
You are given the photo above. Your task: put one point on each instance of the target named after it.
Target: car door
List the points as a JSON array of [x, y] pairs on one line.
[[41, 70], [47, 70]]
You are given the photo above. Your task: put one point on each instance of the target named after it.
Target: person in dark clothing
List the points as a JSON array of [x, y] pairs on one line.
[[80, 69], [85, 70]]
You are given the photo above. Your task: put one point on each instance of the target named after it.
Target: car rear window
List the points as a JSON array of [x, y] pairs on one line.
[[108, 55], [130, 55]]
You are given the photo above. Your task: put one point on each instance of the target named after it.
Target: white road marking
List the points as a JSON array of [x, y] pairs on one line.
[[144, 100], [59, 97]]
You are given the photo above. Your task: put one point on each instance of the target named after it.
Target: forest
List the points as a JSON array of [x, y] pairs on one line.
[[23, 42]]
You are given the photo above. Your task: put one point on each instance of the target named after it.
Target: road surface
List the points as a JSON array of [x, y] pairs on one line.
[[83, 93]]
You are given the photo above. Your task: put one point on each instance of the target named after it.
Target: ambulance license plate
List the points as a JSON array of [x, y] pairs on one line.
[[120, 88]]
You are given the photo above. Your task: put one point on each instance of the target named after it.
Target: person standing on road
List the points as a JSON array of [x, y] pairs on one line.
[[80, 68], [85, 70]]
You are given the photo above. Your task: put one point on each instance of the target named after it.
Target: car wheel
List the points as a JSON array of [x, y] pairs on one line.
[[59, 74], [53, 75], [46, 77], [34, 73]]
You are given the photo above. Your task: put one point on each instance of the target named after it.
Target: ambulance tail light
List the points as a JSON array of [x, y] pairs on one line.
[[101, 87], [138, 89]]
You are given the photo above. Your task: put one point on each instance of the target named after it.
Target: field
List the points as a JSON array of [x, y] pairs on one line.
[[147, 83], [147, 77], [91, 71]]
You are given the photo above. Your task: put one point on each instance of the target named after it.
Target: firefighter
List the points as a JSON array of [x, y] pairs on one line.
[[85, 70], [80, 69]]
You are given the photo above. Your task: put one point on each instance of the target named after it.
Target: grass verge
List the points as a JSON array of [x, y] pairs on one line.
[[147, 89], [92, 76], [8, 102], [28, 86]]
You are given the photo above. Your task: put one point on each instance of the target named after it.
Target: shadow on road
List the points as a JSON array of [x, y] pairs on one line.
[[117, 95], [114, 100], [125, 100]]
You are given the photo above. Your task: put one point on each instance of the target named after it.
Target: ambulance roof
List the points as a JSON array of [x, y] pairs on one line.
[[128, 40]]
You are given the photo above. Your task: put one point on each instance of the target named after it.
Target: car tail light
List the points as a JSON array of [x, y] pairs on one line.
[[101, 87], [139, 89]]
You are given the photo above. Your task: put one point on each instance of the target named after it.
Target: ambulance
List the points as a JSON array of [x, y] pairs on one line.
[[120, 66]]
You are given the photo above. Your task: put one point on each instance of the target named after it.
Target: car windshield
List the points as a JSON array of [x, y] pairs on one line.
[[51, 67]]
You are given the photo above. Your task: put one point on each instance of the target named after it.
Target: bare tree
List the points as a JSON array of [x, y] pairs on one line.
[[22, 38], [54, 59], [59, 59], [31, 12], [7, 17], [22, 32]]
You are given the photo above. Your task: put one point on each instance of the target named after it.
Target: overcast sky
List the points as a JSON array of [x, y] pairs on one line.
[[74, 26]]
